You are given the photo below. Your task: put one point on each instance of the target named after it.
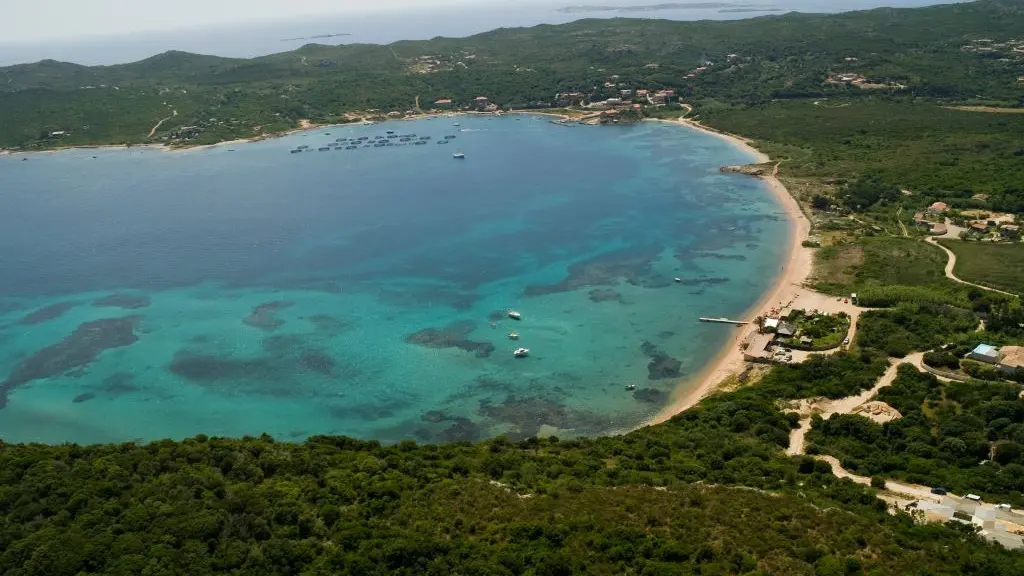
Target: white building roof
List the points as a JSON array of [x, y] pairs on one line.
[[985, 350]]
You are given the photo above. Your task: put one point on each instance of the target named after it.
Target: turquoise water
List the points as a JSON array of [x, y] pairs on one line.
[[243, 289]]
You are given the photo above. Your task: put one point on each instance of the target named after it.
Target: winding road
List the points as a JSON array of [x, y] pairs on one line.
[[157, 126], [951, 264], [826, 408]]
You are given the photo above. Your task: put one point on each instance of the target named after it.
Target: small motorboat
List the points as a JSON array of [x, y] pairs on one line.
[[455, 124], [678, 280], [513, 336], [515, 315], [391, 131], [630, 387], [521, 352], [458, 156]]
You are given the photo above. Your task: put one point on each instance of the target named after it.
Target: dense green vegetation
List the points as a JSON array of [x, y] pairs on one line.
[[912, 327], [882, 145], [997, 265], [783, 58], [616, 505], [966, 436]]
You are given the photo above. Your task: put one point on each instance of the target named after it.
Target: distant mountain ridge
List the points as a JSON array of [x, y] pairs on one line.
[[776, 57]]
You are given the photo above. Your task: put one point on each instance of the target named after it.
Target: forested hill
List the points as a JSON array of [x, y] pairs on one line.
[[935, 52]]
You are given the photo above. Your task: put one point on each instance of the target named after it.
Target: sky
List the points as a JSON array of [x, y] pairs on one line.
[[34, 20]]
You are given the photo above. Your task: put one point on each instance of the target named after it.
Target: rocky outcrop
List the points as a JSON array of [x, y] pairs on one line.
[[749, 169]]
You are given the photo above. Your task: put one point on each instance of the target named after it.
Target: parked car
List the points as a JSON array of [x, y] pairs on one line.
[[846, 341], [940, 491]]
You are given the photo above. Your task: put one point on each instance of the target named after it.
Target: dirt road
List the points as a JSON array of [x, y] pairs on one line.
[[951, 265], [826, 408], [157, 126]]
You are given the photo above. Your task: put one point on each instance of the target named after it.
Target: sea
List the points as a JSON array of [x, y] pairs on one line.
[[245, 39], [365, 289]]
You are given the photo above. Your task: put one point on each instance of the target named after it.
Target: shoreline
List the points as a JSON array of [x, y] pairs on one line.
[[304, 125], [786, 287]]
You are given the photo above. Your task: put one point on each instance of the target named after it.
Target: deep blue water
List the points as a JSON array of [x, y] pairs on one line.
[[354, 291]]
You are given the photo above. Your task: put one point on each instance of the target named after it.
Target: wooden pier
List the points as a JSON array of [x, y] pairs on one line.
[[725, 321]]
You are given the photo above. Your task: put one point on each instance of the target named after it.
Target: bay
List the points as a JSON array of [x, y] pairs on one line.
[[244, 289]]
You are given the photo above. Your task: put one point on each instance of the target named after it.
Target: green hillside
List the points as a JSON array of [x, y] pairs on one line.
[[777, 57]]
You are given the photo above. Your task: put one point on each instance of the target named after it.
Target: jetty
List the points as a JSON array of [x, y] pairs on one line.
[[725, 321]]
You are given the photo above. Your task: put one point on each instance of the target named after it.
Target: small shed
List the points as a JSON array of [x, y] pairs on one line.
[[985, 353]]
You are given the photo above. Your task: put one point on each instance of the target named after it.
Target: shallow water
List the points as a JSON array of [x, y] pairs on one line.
[[147, 294]]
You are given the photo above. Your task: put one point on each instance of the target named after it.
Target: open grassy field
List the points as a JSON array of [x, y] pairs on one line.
[[997, 265], [886, 270]]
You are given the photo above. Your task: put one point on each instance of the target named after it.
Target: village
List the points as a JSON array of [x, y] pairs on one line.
[[978, 225]]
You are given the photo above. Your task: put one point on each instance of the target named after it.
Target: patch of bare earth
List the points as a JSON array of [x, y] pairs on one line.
[[838, 264], [878, 412], [989, 109]]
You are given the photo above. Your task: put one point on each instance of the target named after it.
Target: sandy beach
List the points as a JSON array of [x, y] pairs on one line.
[[788, 287]]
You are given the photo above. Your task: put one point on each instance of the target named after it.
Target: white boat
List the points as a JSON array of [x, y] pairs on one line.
[[458, 155], [515, 315], [456, 124], [631, 387], [521, 352], [678, 280], [513, 336]]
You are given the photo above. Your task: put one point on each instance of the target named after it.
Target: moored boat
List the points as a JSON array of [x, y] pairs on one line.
[[515, 315], [521, 352], [458, 155], [513, 336]]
